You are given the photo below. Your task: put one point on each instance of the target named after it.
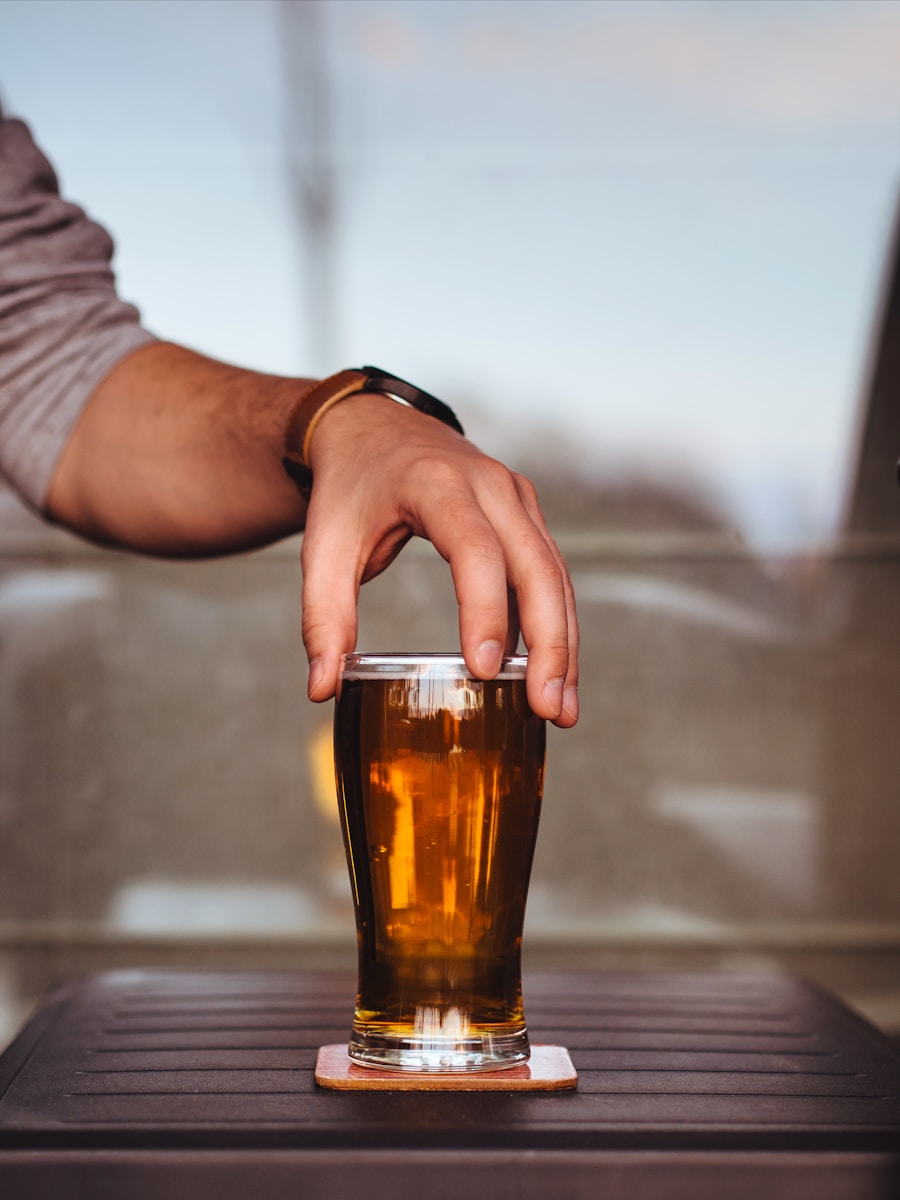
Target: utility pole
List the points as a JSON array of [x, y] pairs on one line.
[[311, 171]]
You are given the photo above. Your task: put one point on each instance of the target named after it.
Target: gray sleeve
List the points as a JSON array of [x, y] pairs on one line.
[[62, 326]]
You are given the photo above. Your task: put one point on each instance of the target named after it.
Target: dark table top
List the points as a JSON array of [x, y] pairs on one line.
[[688, 1083]]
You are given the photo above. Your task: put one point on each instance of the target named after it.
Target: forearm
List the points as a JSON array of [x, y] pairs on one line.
[[178, 454]]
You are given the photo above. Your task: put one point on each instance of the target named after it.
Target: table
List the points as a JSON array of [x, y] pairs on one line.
[[695, 1084]]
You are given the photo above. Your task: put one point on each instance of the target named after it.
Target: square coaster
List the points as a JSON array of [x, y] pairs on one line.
[[549, 1069]]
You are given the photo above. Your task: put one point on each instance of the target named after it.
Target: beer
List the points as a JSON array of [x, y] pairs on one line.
[[439, 780]]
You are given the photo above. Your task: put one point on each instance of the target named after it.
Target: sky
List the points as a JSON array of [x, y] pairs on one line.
[[622, 235]]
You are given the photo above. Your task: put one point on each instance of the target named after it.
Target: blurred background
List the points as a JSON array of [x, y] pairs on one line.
[[645, 250]]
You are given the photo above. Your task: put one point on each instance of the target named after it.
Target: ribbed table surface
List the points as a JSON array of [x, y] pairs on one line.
[[169, 1067]]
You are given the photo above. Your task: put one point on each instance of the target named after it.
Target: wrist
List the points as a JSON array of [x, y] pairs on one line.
[[319, 398]]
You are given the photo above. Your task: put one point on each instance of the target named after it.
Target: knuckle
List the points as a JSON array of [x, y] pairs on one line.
[[555, 646], [501, 480], [435, 472], [526, 489], [482, 549], [315, 621], [546, 571]]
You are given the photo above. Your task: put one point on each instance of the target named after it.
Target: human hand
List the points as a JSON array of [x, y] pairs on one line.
[[384, 472]]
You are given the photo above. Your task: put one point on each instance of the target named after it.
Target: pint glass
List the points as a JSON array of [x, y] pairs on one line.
[[439, 780]]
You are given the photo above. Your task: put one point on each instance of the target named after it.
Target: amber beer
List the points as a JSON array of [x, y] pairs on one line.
[[439, 780]]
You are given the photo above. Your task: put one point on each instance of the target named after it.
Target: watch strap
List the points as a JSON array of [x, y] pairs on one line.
[[407, 393], [311, 405]]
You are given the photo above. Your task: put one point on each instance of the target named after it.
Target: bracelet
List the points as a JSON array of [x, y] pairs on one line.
[[313, 403]]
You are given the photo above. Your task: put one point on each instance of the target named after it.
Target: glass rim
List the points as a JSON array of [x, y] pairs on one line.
[[385, 665]]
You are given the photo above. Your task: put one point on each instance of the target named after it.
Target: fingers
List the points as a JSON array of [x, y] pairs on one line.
[[544, 600], [463, 535], [330, 559], [497, 544], [569, 710], [540, 581]]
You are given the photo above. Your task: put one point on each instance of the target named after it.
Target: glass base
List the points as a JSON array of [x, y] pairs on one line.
[[445, 1056]]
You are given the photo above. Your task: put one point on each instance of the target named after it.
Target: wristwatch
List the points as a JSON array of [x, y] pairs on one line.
[[316, 400]]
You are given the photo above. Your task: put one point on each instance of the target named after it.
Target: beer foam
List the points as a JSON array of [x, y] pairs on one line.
[[407, 666]]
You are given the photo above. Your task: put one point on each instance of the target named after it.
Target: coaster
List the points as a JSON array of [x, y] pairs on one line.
[[549, 1069]]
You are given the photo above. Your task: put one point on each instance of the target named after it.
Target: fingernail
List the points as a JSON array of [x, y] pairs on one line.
[[553, 695], [488, 656], [570, 702], [316, 674]]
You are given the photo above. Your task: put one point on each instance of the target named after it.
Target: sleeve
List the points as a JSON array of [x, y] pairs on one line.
[[62, 325]]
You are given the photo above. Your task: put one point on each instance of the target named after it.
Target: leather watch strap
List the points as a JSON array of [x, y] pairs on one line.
[[313, 403]]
